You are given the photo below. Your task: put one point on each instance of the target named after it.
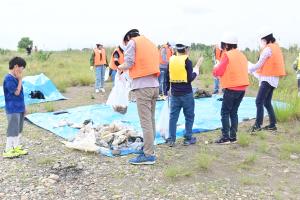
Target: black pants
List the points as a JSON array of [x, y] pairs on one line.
[[230, 105], [264, 99]]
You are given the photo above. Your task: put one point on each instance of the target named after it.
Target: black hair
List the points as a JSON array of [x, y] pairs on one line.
[[131, 34], [17, 61], [122, 50], [228, 47], [182, 50], [269, 38]]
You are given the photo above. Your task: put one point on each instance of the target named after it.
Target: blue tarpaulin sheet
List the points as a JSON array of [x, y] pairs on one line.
[[207, 117], [37, 82]]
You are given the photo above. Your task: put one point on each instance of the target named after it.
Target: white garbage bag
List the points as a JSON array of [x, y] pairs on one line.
[[163, 121], [118, 97]]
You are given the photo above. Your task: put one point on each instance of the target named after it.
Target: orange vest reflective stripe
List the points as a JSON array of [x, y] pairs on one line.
[[236, 73], [218, 54], [146, 58], [100, 57], [169, 54], [112, 64], [274, 65]]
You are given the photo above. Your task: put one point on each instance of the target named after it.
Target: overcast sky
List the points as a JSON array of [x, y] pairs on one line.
[[62, 24]]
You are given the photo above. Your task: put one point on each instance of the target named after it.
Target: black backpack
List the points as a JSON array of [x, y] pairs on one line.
[[37, 94]]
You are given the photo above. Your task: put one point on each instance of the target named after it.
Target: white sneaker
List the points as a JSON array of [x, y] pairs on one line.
[[97, 91], [102, 90]]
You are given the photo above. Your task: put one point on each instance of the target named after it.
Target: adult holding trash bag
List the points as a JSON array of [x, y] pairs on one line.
[[142, 59], [268, 70], [180, 75]]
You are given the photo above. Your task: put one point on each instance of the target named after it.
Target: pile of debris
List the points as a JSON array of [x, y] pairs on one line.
[[115, 136], [200, 93]]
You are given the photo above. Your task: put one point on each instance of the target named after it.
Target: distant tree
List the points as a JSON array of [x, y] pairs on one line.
[[247, 49], [24, 43]]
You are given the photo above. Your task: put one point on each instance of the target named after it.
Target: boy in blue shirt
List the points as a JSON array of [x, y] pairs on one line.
[[14, 107]]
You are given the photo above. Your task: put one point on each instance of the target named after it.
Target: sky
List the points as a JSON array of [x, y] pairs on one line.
[[77, 24]]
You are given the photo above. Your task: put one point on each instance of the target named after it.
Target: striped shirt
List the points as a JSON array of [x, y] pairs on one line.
[[272, 80]]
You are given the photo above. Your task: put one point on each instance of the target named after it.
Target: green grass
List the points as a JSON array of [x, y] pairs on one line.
[[263, 147], [49, 106], [244, 139], [204, 160], [176, 171], [45, 160], [248, 163], [247, 180], [287, 149]]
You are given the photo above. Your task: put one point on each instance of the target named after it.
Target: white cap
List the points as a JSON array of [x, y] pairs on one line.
[[229, 38], [264, 32]]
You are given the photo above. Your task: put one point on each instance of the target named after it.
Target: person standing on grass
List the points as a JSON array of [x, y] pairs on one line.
[[233, 74], [98, 61], [165, 54], [217, 53], [268, 70], [180, 75], [117, 58], [296, 66], [142, 59], [14, 107]]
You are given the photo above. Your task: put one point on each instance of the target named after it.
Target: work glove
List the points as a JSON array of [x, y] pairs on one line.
[[92, 68]]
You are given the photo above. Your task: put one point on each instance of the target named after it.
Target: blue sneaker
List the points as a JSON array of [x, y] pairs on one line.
[[143, 160], [187, 142]]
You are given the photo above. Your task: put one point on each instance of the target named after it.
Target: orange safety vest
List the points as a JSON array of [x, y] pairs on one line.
[[218, 54], [146, 58], [274, 65], [100, 57], [236, 73], [169, 54], [112, 64]]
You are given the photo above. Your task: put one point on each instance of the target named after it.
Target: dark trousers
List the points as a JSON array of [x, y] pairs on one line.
[[229, 112], [163, 81], [264, 99]]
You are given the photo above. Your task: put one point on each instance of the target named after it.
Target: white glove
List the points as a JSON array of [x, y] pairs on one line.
[[92, 68], [196, 70]]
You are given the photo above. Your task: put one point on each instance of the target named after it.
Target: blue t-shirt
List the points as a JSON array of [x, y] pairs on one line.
[[13, 103]]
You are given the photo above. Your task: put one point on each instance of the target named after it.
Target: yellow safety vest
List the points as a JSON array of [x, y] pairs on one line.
[[178, 73]]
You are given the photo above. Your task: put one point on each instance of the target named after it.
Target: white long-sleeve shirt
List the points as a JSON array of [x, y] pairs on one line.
[[272, 80]]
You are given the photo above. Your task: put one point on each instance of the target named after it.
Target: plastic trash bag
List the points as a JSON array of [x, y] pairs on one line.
[[118, 97], [106, 75], [163, 121]]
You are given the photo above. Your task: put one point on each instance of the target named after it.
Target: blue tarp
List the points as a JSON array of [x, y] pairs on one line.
[[207, 117], [38, 82]]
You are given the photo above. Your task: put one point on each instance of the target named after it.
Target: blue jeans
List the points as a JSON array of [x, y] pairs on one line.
[[264, 98], [216, 85], [188, 104], [113, 75], [229, 111], [163, 81], [100, 72]]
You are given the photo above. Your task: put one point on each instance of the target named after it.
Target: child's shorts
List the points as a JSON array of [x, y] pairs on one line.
[[15, 124]]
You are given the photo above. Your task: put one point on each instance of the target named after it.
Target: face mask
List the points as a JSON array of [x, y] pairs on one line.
[[263, 44]]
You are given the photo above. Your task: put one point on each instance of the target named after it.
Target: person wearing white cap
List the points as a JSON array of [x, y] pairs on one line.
[[296, 66], [268, 69], [180, 75], [233, 74]]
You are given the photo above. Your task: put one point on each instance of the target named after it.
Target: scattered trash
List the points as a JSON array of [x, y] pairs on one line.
[[200, 93]]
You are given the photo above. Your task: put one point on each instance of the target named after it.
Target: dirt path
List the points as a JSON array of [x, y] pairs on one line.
[[265, 166]]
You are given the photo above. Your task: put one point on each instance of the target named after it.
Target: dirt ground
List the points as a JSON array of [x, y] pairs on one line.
[[263, 166]]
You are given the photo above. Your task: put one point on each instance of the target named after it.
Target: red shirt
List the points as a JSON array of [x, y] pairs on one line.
[[220, 69]]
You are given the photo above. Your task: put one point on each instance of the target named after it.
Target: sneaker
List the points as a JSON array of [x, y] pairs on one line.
[[20, 151], [102, 90], [215, 92], [171, 143], [11, 153], [187, 142], [143, 160], [232, 140], [222, 140], [270, 128], [254, 129], [97, 90]]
